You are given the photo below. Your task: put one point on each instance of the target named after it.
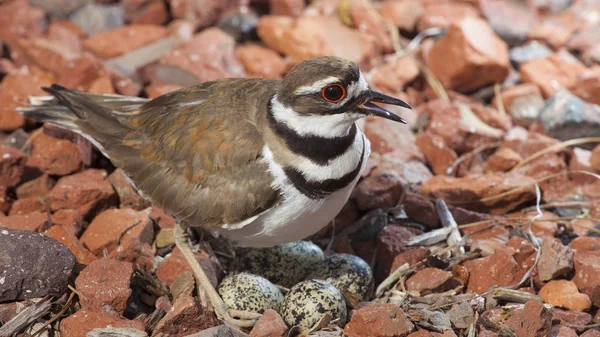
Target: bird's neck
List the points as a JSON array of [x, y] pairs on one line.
[[317, 137]]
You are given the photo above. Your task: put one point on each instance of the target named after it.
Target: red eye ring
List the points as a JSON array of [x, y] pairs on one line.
[[333, 93]]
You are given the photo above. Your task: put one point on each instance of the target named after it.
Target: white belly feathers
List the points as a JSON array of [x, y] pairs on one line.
[[298, 216]]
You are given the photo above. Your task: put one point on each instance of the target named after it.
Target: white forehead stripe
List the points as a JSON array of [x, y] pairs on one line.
[[317, 86], [357, 88]]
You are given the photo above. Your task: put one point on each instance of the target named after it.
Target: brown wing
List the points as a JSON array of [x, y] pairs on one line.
[[194, 153]]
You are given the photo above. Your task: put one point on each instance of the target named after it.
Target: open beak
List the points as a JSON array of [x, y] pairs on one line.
[[369, 108]]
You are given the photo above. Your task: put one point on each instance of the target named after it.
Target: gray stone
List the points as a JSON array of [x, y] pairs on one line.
[[32, 265], [95, 18], [530, 51], [59, 8], [566, 116]]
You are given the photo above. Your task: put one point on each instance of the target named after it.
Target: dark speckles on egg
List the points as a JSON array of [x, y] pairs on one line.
[[285, 264], [347, 273], [248, 292], [308, 301]]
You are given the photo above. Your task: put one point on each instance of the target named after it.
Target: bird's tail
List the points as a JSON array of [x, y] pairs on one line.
[[95, 116]]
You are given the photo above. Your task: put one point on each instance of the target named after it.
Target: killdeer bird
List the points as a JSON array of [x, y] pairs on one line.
[[258, 161]]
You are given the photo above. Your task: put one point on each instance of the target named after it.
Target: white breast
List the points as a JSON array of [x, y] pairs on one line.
[[297, 216]]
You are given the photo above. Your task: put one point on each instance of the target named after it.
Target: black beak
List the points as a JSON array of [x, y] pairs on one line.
[[369, 108]]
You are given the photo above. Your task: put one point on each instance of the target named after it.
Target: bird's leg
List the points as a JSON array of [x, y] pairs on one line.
[[246, 319]]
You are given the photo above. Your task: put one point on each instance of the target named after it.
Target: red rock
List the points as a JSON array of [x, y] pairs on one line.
[[532, 321], [84, 145], [118, 227], [270, 324], [34, 222], [207, 64], [380, 191], [8, 311], [486, 114], [69, 219], [313, 36], [469, 57], [286, 7], [105, 282], [413, 172], [379, 320], [161, 218], [438, 154], [569, 317], [35, 188], [580, 161], [15, 89], [421, 209], [128, 197], [588, 85], [139, 253], [393, 76], [517, 97], [471, 189], [585, 243], [427, 280], [403, 14], [103, 85], [66, 34], [555, 260], [445, 13], [186, 317], [87, 192], [563, 331], [524, 253], [67, 238], [154, 91], [391, 241], [5, 200], [411, 256], [551, 33], [502, 160], [526, 143], [591, 333], [175, 264], [84, 321], [151, 12], [587, 274], [445, 121], [499, 269], [20, 19], [116, 42], [595, 158], [12, 165], [564, 294], [488, 246], [364, 16], [386, 137], [260, 61], [72, 70], [420, 333], [512, 21], [28, 205], [551, 73], [54, 156]]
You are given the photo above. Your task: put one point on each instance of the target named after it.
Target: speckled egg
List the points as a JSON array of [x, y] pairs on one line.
[[285, 264], [347, 273], [308, 301], [249, 292]]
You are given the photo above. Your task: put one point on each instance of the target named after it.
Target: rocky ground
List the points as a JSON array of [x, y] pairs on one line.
[[480, 218]]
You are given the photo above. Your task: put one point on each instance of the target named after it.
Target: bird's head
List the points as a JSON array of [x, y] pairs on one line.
[[331, 90]]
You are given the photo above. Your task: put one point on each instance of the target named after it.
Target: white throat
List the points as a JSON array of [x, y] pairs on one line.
[[326, 126]]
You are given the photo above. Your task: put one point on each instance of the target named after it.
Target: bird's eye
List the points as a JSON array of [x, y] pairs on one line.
[[333, 93]]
